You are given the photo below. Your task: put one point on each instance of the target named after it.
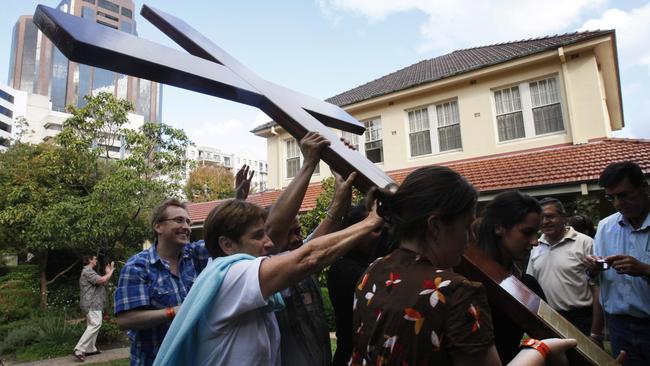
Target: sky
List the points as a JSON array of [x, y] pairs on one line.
[[324, 47]]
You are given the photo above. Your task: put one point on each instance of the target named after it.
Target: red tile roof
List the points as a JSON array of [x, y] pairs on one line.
[[553, 165]]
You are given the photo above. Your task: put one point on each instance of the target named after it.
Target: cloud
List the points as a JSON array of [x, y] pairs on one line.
[[464, 23], [230, 136], [632, 30], [261, 118]]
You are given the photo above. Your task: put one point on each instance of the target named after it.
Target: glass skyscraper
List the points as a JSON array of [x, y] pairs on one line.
[[36, 66]]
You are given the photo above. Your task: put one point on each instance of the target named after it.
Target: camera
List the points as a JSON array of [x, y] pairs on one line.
[[602, 264]]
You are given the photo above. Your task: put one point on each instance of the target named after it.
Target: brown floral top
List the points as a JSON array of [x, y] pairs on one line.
[[408, 313]]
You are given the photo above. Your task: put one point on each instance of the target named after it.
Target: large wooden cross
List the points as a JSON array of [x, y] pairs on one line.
[[210, 70]]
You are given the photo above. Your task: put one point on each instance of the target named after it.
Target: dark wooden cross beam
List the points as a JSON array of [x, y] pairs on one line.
[[210, 70]]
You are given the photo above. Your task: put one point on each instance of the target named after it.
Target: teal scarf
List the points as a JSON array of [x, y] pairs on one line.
[[180, 344]]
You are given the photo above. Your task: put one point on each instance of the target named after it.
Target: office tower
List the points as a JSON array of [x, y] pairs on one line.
[[37, 67]]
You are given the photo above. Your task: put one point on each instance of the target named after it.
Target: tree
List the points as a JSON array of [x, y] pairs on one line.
[[208, 183], [70, 195]]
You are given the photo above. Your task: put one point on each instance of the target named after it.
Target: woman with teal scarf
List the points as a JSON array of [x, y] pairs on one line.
[[227, 318]]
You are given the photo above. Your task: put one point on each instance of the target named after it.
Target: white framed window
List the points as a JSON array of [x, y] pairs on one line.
[[294, 159], [373, 145], [352, 138], [528, 109], [547, 110], [419, 132], [434, 129], [510, 117]]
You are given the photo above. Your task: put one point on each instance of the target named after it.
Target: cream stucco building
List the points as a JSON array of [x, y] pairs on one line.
[[477, 102]]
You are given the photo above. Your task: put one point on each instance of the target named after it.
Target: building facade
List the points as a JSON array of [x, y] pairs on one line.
[[534, 115], [37, 67], [6, 115], [205, 155], [477, 102]]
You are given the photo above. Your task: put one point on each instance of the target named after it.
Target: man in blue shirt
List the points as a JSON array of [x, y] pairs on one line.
[[623, 244], [154, 282]]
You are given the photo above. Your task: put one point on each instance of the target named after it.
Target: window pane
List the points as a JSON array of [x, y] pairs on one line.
[[352, 138], [420, 143], [548, 119], [103, 81], [374, 151], [374, 147], [108, 5], [293, 165], [59, 80], [516, 100], [510, 126], [449, 137]]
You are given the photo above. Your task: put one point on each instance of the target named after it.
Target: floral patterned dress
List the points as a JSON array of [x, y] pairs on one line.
[[408, 313]]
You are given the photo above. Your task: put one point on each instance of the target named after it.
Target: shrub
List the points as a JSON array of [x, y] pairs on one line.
[[18, 293], [19, 337]]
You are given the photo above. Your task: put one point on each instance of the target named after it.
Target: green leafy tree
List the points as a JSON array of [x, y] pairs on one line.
[[209, 183], [310, 219], [72, 195]]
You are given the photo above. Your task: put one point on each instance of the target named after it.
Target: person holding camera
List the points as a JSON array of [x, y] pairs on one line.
[[621, 263], [92, 302]]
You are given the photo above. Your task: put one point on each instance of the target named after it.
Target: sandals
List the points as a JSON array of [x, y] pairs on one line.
[[79, 356]]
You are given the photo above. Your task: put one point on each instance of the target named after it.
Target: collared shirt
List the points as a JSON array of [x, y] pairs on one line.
[[561, 271], [623, 294], [93, 295], [146, 282]]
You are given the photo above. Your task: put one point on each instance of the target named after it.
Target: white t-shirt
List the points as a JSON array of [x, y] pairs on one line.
[[239, 330]]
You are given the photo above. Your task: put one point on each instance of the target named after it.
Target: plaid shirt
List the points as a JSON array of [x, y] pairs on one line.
[[147, 283]]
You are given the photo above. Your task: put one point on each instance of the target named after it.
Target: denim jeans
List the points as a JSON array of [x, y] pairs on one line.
[[631, 335]]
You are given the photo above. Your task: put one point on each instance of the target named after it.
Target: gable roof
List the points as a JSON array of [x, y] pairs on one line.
[[452, 64], [459, 62], [547, 166]]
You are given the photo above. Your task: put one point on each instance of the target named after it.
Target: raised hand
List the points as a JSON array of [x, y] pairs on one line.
[[243, 182], [311, 146]]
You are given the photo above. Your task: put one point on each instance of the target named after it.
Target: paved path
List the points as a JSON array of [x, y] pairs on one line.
[[107, 355]]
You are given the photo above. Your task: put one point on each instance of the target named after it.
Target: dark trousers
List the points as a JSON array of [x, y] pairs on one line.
[[580, 318], [632, 335]]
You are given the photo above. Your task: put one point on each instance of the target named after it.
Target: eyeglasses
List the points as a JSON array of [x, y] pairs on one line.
[[179, 220], [623, 196]]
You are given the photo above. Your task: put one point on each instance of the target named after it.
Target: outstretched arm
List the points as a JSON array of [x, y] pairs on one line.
[[288, 204], [282, 271], [338, 208]]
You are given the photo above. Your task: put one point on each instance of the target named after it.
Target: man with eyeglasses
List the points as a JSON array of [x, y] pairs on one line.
[[154, 282], [622, 261]]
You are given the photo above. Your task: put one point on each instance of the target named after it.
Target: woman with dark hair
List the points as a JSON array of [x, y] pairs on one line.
[[410, 307], [507, 233]]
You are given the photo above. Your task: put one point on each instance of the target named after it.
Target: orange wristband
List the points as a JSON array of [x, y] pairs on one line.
[[171, 312], [540, 346]]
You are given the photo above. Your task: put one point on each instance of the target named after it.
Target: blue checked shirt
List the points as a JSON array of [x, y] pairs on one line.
[[147, 283]]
